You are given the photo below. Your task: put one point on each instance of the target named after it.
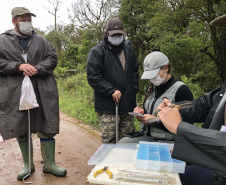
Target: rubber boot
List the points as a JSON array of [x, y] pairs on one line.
[[24, 150], [48, 154]]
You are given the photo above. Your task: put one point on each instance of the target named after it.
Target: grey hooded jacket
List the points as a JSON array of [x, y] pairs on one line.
[[41, 55], [203, 147]]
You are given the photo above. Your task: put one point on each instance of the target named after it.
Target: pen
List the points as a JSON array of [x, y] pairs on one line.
[[138, 106]]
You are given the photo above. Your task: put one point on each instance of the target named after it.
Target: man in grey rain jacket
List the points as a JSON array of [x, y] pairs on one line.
[[42, 60]]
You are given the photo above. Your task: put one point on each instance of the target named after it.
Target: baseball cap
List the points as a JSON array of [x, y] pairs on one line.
[[152, 64], [219, 22], [114, 25], [20, 11]]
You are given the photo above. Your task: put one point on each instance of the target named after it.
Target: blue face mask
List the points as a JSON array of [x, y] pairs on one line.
[[116, 40]]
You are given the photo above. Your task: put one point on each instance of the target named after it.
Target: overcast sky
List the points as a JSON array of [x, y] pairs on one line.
[[42, 20]]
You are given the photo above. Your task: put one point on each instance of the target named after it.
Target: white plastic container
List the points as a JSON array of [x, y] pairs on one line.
[[114, 154]]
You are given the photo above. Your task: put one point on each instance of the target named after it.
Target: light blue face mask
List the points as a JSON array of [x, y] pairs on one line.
[[116, 40]]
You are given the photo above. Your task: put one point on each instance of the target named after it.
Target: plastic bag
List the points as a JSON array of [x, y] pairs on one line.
[[27, 99]]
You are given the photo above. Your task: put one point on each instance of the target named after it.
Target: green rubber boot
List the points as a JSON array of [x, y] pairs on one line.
[[24, 150], [48, 154]]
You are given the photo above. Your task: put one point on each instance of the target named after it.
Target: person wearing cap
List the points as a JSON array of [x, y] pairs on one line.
[[162, 85], [204, 148], [112, 72], [16, 46]]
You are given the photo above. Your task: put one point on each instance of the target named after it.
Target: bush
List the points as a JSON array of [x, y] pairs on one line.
[[76, 98], [60, 72], [194, 87]]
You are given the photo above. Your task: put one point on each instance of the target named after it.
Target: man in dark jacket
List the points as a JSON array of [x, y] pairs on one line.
[[204, 148], [112, 71], [41, 61]]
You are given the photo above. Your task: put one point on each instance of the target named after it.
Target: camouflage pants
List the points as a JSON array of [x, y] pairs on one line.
[[108, 126]]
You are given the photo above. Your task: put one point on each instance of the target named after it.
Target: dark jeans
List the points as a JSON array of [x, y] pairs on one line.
[[196, 175]]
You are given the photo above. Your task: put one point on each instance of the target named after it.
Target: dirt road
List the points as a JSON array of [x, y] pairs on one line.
[[75, 144]]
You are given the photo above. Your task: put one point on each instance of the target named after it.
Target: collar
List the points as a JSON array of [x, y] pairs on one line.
[[159, 90], [19, 35], [116, 49]]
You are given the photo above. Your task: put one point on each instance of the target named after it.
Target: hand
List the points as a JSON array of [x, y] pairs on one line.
[[162, 105], [171, 118], [28, 69], [117, 96], [146, 118], [138, 110]]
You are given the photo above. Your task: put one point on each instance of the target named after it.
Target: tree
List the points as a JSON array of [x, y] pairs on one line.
[[136, 15], [56, 7], [89, 18], [65, 38], [181, 33], [218, 37], [90, 38], [58, 40], [39, 31], [93, 12], [69, 56], [181, 30]]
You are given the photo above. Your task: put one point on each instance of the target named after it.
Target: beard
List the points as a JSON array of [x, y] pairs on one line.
[[17, 27]]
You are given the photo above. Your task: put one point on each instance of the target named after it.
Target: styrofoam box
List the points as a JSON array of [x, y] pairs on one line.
[[157, 157]]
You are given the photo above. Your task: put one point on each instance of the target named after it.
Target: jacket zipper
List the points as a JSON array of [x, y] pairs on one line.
[[120, 62]]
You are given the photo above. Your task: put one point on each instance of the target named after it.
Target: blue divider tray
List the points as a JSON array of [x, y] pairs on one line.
[[157, 156]]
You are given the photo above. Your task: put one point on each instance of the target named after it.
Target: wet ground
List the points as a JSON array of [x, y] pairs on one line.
[[75, 144]]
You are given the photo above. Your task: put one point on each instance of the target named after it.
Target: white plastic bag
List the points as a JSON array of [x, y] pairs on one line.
[[27, 99]]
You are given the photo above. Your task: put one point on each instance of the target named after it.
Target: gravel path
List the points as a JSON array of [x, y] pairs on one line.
[[75, 144]]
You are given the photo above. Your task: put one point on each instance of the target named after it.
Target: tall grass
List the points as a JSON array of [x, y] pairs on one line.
[[76, 98]]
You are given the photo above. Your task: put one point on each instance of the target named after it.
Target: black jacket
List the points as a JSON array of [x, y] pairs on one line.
[[204, 147], [205, 108], [105, 74]]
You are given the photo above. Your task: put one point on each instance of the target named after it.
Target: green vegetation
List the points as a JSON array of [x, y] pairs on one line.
[[76, 98], [179, 29]]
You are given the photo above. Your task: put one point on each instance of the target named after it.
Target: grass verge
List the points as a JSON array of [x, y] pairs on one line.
[[76, 99]]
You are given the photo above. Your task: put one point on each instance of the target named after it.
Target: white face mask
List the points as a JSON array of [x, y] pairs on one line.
[[116, 40], [158, 80], [26, 28]]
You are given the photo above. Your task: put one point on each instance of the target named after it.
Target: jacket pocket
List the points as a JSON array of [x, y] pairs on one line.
[[2, 99]]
